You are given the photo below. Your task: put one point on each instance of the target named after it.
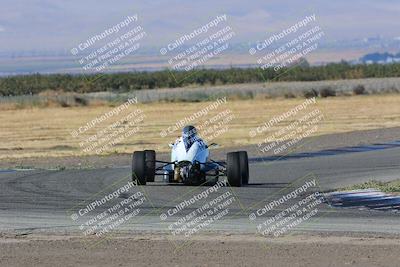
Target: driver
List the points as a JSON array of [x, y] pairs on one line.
[[189, 137]]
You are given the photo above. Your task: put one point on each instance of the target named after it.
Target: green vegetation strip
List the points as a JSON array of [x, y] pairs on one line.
[[126, 82]]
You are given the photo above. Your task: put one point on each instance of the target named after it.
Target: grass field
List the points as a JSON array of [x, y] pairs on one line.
[[47, 131]]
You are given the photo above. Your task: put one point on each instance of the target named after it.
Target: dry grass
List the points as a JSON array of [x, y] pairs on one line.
[[388, 187], [46, 131]]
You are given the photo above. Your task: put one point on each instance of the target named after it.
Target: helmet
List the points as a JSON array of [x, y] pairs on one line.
[[189, 136], [189, 131]]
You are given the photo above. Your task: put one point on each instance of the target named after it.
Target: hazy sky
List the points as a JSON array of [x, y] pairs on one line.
[[56, 24]]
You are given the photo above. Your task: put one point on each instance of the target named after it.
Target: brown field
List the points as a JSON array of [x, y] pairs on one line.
[[39, 132]]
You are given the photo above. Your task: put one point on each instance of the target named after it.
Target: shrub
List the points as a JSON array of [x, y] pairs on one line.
[[393, 89], [80, 101], [63, 103], [310, 93], [125, 82], [359, 90], [326, 92], [289, 95]]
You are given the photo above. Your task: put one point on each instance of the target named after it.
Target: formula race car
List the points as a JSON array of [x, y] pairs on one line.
[[190, 164]]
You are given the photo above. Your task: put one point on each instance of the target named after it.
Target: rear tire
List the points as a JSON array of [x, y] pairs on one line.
[[139, 167], [150, 158], [233, 172], [244, 166]]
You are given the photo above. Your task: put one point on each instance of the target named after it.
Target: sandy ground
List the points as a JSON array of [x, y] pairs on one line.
[[205, 250]]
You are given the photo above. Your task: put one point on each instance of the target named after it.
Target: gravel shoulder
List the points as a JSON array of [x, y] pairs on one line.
[[205, 250]]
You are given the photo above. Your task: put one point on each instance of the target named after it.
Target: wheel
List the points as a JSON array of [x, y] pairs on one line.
[[139, 167], [233, 172], [150, 158], [244, 166]]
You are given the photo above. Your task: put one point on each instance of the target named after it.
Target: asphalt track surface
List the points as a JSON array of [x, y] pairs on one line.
[[44, 200]]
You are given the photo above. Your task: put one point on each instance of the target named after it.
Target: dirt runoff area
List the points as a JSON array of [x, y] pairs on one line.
[[203, 250]]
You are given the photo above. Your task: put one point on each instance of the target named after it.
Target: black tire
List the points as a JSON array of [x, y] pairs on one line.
[[233, 172], [150, 158], [139, 167], [244, 166]]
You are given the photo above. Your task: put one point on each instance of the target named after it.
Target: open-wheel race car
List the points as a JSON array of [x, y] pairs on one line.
[[190, 164]]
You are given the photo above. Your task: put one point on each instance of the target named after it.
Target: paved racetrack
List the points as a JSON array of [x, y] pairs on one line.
[[43, 200]]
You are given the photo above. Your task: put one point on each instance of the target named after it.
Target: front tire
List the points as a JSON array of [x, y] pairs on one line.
[[233, 172], [150, 158], [244, 166], [139, 167]]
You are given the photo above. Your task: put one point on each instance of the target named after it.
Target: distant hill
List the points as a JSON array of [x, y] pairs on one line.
[[381, 58]]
